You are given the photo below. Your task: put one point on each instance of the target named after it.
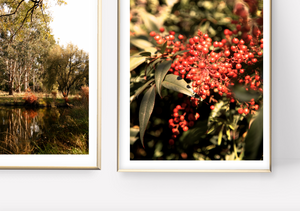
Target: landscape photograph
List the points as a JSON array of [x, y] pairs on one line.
[[44, 77]]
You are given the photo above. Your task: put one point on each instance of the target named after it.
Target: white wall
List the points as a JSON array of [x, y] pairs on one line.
[[109, 190]]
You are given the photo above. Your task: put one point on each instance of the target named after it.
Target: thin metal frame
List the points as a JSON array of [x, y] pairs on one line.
[[198, 170], [98, 145]]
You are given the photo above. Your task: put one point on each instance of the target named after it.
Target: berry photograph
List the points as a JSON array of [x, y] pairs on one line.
[[45, 63], [197, 80]]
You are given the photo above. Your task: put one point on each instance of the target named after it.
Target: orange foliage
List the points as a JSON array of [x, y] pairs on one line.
[[30, 98], [29, 114]]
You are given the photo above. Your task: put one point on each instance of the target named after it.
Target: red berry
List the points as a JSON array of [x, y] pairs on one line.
[[171, 37], [254, 60], [227, 53], [217, 75], [205, 50], [235, 40], [212, 107], [157, 37], [160, 41], [152, 34], [171, 141], [241, 111], [216, 44], [196, 39], [180, 36], [162, 29], [246, 111], [215, 67], [202, 65], [191, 41], [191, 124], [226, 32]]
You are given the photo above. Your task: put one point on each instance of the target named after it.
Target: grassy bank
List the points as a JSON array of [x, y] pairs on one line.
[[44, 100], [68, 136]]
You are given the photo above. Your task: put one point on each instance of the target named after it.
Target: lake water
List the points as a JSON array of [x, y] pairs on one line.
[[22, 129]]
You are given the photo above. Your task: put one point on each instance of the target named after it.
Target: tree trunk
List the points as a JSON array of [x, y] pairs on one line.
[[19, 86], [10, 88], [33, 81], [26, 81]]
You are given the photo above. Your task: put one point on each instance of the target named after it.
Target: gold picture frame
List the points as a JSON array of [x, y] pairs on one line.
[[123, 120], [92, 160]]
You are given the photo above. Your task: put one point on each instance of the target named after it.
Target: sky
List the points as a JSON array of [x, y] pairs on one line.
[[71, 23]]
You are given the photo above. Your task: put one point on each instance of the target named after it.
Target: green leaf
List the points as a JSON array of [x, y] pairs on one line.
[[220, 136], [212, 129], [135, 61], [180, 52], [163, 48], [176, 83], [150, 21], [194, 134], [140, 43], [254, 139], [214, 115], [146, 109], [216, 111], [243, 95], [140, 90], [160, 73], [151, 66], [145, 53], [152, 50], [235, 152], [228, 133]]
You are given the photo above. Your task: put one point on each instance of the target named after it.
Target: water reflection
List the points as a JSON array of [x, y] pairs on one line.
[[20, 128]]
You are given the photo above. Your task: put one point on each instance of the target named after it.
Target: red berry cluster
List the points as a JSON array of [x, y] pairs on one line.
[[244, 109], [245, 24], [184, 117], [212, 67]]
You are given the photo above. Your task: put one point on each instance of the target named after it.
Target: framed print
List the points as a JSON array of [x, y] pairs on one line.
[[50, 74], [194, 83]]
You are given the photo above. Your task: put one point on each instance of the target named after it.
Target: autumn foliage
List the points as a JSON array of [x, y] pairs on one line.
[[30, 98]]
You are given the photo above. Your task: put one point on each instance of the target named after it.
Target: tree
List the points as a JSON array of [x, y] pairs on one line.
[[26, 10], [68, 66], [21, 52]]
